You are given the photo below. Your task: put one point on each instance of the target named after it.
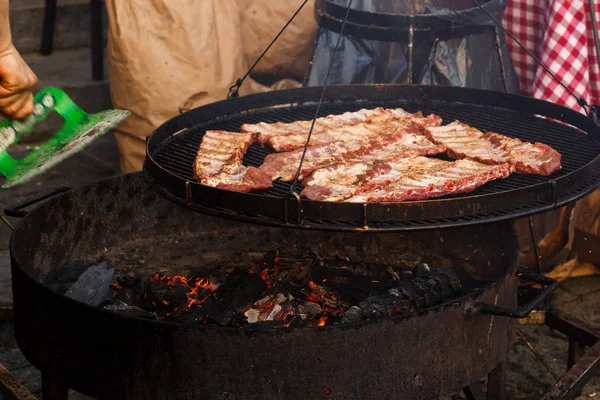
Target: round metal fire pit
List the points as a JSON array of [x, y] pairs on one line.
[[105, 355]]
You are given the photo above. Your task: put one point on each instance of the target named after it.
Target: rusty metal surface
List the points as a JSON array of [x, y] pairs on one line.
[[109, 356], [575, 352], [496, 383], [573, 381], [573, 327], [582, 365]]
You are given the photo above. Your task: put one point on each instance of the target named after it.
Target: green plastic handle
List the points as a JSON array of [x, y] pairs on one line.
[[45, 101]]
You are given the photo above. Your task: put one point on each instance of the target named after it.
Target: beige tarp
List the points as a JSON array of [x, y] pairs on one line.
[[170, 55], [572, 245]]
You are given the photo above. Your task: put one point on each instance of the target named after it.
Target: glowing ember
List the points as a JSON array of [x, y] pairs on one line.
[[282, 293]]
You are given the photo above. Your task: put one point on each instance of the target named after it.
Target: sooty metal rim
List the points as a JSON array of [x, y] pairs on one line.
[[381, 21], [171, 149]]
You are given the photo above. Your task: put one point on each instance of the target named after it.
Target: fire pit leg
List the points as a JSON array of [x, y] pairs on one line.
[[496, 383], [52, 390], [576, 351], [474, 392]]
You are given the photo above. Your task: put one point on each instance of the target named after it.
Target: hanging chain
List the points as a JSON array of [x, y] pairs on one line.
[[312, 126], [595, 31], [234, 89], [590, 111]]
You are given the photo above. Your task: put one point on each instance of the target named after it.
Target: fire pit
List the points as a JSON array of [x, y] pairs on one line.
[[437, 343]]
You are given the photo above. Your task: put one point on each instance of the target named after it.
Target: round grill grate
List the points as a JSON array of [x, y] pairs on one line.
[[172, 148]]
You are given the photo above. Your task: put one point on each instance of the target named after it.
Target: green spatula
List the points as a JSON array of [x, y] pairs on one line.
[[79, 130]]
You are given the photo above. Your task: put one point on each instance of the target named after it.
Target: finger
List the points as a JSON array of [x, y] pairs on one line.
[[33, 80], [19, 109], [26, 109], [7, 100], [25, 82], [10, 105]]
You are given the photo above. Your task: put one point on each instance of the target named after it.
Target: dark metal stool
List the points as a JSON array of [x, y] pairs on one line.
[[97, 43]]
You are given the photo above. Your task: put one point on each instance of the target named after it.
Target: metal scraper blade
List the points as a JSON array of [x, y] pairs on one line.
[[57, 149]]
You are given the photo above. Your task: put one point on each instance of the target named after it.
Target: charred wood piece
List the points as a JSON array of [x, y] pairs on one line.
[[131, 311], [353, 288], [281, 306], [323, 295], [421, 270], [93, 286], [272, 307], [234, 296], [419, 293]]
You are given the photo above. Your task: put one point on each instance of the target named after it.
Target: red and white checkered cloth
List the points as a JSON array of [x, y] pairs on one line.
[[560, 34]]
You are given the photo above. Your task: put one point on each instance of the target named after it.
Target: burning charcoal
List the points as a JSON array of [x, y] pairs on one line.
[[121, 308], [236, 294], [353, 288], [323, 295], [158, 288], [292, 270], [187, 316], [127, 278], [126, 295], [423, 295], [93, 286], [309, 310], [177, 295], [176, 292], [271, 307], [444, 284], [421, 292]]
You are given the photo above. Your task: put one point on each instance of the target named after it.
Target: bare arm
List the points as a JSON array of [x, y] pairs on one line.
[[16, 78], [5, 36]]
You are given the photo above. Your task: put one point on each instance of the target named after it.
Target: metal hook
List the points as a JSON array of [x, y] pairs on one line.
[[234, 89], [286, 197]]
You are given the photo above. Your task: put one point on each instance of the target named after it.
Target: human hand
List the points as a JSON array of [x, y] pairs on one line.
[[16, 83]]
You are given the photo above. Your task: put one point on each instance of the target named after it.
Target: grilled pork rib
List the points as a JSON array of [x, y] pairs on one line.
[[464, 141], [219, 162], [527, 158], [362, 124], [370, 156], [461, 176], [400, 144], [343, 181]]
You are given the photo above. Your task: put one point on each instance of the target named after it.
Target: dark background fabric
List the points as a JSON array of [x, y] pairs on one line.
[[461, 47]]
